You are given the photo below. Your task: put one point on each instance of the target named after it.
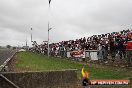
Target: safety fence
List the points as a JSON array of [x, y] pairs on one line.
[[96, 55]]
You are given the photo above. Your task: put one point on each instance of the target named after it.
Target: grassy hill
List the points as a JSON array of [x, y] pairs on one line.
[[28, 61]]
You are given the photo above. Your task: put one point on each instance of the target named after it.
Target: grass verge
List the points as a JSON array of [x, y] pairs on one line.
[[28, 61]]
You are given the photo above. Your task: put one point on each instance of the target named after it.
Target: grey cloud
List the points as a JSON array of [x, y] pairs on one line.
[[104, 16], [70, 19]]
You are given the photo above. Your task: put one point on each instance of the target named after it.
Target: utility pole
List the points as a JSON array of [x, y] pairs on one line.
[[48, 37]]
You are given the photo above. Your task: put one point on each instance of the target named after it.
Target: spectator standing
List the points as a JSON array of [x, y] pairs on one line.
[[112, 49]]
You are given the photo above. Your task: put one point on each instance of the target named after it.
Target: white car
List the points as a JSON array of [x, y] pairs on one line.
[[22, 50]]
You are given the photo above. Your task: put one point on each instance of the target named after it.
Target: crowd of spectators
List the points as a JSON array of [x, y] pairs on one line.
[[106, 44]]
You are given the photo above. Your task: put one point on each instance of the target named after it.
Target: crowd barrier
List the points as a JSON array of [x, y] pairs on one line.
[[87, 54], [94, 55]]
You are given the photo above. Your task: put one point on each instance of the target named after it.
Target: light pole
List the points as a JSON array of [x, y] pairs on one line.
[[48, 37], [31, 35], [49, 28], [26, 43]]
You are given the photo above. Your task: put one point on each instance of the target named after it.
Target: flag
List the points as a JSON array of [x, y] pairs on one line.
[[84, 74]]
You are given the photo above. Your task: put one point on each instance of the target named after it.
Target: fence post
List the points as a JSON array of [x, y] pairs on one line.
[[129, 57]]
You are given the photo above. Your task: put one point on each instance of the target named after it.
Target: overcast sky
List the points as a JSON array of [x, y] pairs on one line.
[[69, 19]]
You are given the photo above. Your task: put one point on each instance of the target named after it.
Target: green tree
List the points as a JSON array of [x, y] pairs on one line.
[[8, 46]]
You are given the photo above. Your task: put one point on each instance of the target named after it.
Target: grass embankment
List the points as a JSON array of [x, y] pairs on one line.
[[37, 62]]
